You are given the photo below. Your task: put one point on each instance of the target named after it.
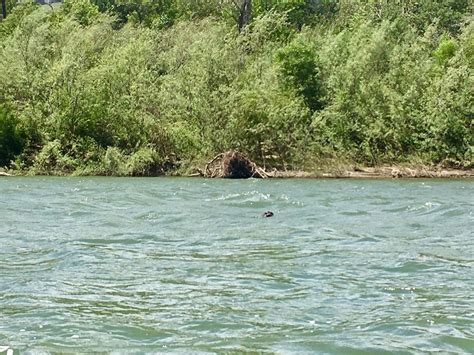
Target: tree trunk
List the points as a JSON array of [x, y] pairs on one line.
[[4, 9], [245, 12]]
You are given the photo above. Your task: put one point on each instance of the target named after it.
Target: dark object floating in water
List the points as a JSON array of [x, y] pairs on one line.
[[268, 214]]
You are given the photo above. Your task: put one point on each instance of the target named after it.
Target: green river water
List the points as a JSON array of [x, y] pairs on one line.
[[188, 265]]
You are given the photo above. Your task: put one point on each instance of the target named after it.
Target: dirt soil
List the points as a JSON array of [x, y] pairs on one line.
[[381, 172]]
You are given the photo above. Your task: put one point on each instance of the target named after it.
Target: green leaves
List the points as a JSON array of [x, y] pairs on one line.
[[12, 139], [172, 85], [299, 71], [83, 11], [446, 50]]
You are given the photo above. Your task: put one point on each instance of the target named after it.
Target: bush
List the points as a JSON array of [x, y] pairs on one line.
[[445, 51], [176, 83], [52, 160], [299, 71], [12, 139]]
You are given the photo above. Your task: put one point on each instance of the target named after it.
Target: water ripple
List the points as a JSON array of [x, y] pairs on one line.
[[190, 265]]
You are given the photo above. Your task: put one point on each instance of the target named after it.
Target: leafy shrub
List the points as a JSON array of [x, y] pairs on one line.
[[445, 51], [12, 139], [83, 11], [175, 83], [52, 160], [300, 72], [114, 162]]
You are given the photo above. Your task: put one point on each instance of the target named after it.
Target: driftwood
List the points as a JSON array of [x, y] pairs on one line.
[[234, 165], [4, 174]]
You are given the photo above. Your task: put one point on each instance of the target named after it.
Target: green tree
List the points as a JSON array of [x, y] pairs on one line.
[[299, 71], [12, 139]]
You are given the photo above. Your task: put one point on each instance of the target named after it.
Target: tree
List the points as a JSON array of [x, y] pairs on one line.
[[245, 11], [4, 8], [299, 71], [11, 139]]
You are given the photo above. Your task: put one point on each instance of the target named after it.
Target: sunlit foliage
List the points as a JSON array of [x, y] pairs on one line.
[[139, 87]]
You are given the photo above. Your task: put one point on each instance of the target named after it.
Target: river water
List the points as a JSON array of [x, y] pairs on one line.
[[138, 265]]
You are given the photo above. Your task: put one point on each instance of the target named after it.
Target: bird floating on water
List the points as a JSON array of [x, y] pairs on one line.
[[268, 214]]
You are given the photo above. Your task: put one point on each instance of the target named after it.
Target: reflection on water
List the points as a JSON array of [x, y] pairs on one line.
[[174, 264]]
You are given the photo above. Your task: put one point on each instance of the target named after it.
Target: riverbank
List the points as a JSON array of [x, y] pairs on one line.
[[381, 172]]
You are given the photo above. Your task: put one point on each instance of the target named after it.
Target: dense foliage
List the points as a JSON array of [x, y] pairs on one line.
[[137, 87]]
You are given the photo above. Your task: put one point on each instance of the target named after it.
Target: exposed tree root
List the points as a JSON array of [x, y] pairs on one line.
[[233, 165]]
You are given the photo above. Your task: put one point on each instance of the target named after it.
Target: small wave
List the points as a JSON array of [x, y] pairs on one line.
[[255, 197], [107, 241], [354, 213], [411, 266], [448, 257], [428, 207], [454, 212], [251, 196]]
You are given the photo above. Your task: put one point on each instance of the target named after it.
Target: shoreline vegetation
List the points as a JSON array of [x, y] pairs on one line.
[[303, 88]]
